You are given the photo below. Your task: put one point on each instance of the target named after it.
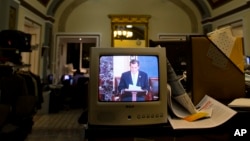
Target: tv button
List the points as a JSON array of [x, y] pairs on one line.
[[138, 116], [157, 115], [129, 117], [161, 115]]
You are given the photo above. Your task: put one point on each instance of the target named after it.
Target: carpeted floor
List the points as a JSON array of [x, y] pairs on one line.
[[61, 126]]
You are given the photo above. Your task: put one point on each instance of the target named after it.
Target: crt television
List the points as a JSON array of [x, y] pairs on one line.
[[105, 106]]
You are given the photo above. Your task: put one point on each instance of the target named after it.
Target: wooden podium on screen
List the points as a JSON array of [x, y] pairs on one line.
[[134, 94]]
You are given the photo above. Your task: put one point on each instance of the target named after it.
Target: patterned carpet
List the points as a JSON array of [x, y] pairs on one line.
[[62, 126]]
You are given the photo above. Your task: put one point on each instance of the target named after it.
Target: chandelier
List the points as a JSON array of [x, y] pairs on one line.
[[123, 32]]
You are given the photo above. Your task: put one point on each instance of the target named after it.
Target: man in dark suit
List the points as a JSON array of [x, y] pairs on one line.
[[134, 79]]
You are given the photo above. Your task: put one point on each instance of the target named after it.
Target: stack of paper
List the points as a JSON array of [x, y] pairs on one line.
[[240, 102]]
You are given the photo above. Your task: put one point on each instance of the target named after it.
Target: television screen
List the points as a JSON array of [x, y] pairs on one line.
[[66, 77], [128, 78], [127, 86]]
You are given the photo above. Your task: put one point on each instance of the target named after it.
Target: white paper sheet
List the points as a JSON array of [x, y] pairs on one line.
[[221, 113]]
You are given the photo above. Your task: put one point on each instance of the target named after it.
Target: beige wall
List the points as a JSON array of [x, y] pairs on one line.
[[92, 16], [36, 55], [167, 16]]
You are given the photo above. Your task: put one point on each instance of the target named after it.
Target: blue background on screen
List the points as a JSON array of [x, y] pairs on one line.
[[149, 64]]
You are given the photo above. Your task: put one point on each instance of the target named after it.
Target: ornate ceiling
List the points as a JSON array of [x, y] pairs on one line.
[[44, 2]]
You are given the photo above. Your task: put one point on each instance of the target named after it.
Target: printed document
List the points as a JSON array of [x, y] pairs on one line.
[[218, 114], [136, 88]]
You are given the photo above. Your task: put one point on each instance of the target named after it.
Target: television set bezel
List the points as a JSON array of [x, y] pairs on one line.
[[126, 113]]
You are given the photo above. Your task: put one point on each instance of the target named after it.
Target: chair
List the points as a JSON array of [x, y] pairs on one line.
[[117, 81], [5, 111], [81, 92], [116, 96], [154, 87]]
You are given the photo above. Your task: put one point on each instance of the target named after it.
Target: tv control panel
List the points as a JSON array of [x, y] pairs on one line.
[[147, 116]]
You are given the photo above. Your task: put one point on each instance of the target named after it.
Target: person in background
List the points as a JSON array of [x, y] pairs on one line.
[[134, 79], [67, 90], [67, 77]]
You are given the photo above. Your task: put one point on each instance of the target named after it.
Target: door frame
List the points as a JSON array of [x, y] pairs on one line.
[[58, 54]]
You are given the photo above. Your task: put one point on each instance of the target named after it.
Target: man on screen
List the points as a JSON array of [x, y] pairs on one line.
[[134, 81]]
